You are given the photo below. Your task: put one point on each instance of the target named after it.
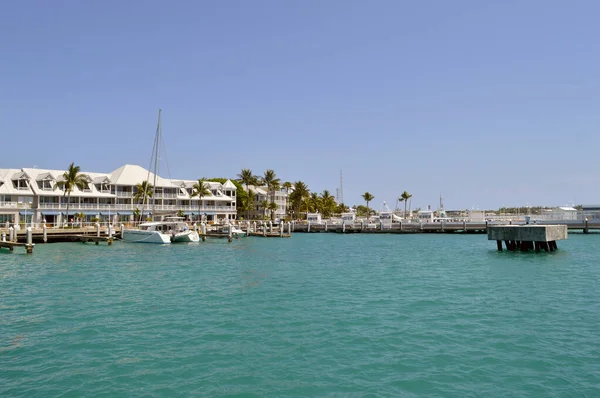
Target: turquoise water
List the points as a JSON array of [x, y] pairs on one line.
[[315, 315]]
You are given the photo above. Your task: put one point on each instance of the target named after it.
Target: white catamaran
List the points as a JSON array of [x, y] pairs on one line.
[[172, 229]]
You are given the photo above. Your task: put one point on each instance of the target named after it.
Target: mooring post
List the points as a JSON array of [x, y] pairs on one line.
[[3, 236], [264, 228], [464, 226], [254, 226], [586, 229], [381, 225], [281, 227], [325, 226], [362, 225], [343, 227], [29, 244], [230, 233], [97, 229], [400, 226], [290, 228], [308, 226], [11, 234], [270, 226], [45, 233], [110, 231]]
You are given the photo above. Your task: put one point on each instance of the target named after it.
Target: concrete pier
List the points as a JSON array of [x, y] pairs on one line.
[[527, 237]]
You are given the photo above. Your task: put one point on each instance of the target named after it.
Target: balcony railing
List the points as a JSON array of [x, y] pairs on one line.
[[116, 207]]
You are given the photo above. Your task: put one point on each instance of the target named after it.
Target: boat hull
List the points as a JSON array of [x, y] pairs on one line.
[[185, 237], [138, 236]]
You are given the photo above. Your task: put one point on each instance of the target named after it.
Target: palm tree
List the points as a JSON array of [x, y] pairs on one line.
[[399, 200], [272, 183], [71, 179], [404, 198], [272, 207], [144, 191], [297, 197], [327, 203], [368, 197], [247, 178], [200, 189]]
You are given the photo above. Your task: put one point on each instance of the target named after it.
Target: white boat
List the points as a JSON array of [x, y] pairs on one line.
[[172, 229], [149, 232], [180, 231], [235, 231]]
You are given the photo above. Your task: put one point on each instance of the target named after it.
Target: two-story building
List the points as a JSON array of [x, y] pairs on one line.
[[33, 195]]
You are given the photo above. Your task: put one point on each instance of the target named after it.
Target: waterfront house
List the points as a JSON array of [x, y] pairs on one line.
[[262, 197], [32, 195]]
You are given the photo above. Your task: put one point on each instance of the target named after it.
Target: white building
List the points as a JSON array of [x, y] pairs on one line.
[[560, 214], [262, 197], [33, 195]]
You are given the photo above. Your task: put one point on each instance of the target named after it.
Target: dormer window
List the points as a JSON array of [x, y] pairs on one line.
[[103, 187], [86, 187], [45, 185], [21, 184]]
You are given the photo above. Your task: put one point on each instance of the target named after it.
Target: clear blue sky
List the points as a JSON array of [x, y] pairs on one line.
[[488, 102]]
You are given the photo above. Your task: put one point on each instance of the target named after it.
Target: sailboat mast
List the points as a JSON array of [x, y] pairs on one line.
[[156, 160]]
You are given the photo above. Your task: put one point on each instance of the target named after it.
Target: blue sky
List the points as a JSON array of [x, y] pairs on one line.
[[490, 103]]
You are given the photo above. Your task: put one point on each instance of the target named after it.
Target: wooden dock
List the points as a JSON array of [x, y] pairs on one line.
[[11, 246]]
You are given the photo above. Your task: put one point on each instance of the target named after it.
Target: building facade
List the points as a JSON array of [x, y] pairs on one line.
[[33, 196], [260, 197]]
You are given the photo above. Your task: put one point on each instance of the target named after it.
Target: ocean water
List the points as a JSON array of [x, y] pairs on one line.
[[317, 315]]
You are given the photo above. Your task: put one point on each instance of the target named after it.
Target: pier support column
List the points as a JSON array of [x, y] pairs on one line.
[[499, 244], [29, 244]]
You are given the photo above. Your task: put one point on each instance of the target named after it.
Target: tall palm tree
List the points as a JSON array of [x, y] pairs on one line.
[[200, 189], [247, 178], [368, 197], [272, 183], [71, 178], [301, 192], [327, 203], [405, 197], [144, 191]]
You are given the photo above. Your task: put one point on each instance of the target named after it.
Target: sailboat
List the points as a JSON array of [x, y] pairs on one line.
[[172, 229]]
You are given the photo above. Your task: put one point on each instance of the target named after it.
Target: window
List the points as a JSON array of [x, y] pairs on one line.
[[45, 185], [21, 183]]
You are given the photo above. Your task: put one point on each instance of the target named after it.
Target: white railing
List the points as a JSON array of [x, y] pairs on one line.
[[8, 204], [116, 207], [122, 194]]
